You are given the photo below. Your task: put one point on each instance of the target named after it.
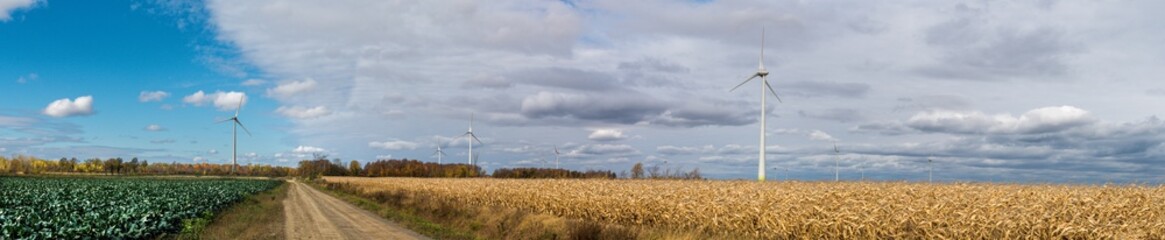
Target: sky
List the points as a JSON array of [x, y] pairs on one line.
[[1004, 91]]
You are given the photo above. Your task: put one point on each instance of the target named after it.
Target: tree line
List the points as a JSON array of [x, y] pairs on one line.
[[321, 166], [20, 164], [656, 172], [386, 168], [550, 173]]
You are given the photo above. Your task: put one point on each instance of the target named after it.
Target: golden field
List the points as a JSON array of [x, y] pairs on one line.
[[815, 210]]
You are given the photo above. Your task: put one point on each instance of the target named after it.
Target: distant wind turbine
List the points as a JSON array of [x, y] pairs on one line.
[[439, 153], [472, 138], [763, 74], [235, 136], [930, 174], [836, 175], [556, 156]]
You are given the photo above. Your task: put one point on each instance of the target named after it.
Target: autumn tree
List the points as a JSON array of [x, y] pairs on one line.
[[637, 171], [354, 168]]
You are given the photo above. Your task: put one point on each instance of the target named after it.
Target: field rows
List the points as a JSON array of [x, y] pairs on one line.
[[111, 208], [818, 209]]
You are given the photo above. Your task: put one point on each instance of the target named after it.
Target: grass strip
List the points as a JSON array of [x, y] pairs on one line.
[[259, 216]]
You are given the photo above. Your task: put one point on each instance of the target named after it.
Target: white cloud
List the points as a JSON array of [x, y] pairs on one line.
[[308, 149], [27, 78], [601, 149], [64, 107], [303, 112], [394, 145], [152, 96], [1041, 120], [291, 88], [198, 98], [606, 135], [686, 150], [818, 135], [199, 159], [9, 6], [212, 151], [155, 128], [253, 82], [224, 101]]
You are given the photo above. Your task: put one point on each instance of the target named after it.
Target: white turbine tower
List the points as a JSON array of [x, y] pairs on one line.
[[439, 153], [472, 138], [763, 74], [556, 156], [930, 173], [235, 136], [836, 175]]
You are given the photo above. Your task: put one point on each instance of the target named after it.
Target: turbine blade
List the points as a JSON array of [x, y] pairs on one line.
[[244, 127], [745, 81], [227, 120], [772, 91], [762, 47], [556, 150], [240, 107], [475, 138]]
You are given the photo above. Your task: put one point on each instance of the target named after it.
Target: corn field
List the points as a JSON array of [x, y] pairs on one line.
[[814, 210]]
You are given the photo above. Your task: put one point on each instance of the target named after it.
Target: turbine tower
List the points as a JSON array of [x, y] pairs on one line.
[[439, 153], [235, 136], [763, 74], [930, 174], [835, 162], [471, 139], [556, 156]]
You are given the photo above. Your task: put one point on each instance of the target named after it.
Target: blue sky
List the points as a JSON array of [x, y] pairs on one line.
[[113, 51], [1045, 91]]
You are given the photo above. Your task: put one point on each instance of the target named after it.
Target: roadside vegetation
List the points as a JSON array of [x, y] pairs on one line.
[[259, 216]]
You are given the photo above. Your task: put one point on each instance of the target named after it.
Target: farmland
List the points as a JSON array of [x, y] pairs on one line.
[[106, 207], [813, 210]]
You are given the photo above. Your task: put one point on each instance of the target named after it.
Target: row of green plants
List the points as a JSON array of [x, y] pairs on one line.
[[113, 208]]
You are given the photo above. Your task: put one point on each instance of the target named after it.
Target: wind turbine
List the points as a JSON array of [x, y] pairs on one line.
[[863, 173], [471, 139], [235, 136], [556, 156], [439, 153], [835, 163], [763, 74], [930, 174]]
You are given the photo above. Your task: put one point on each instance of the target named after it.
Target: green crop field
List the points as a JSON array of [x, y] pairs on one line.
[[105, 208]]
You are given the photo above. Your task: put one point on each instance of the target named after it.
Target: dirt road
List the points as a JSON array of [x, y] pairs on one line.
[[312, 214]]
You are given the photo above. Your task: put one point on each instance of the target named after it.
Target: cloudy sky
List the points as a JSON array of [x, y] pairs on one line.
[[1027, 91]]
